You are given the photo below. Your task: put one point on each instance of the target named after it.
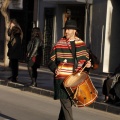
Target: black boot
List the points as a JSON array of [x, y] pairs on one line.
[[34, 84], [9, 78], [14, 79]]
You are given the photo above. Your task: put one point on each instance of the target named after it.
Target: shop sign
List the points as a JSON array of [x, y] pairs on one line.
[[16, 4]]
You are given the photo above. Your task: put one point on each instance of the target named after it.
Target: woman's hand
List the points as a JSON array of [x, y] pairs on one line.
[[57, 72], [88, 65]]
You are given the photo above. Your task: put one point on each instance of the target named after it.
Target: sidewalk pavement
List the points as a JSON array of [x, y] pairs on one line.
[[45, 85]]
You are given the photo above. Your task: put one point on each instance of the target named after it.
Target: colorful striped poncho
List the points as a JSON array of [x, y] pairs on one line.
[[61, 59]]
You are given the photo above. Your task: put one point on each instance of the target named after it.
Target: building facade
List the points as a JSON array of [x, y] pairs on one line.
[[105, 37], [98, 21]]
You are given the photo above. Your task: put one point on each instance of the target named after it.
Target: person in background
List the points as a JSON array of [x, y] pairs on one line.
[[110, 84], [34, 54], [62, 61], [14, 48], [107, 86]]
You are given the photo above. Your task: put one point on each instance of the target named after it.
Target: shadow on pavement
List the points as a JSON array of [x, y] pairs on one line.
[[5, 117]]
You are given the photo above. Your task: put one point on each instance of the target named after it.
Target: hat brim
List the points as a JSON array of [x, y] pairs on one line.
[[75, 28]]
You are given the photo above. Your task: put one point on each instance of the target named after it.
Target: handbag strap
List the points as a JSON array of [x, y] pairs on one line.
[[73, 49]]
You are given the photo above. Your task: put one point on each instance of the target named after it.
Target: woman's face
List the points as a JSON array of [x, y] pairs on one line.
[[70, 34]]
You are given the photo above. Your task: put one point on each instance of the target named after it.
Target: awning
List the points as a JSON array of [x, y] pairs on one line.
[[70, 1]]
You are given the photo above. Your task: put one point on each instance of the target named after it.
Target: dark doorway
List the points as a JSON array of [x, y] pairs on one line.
[[48, 34], [77, 13], [2, 36]]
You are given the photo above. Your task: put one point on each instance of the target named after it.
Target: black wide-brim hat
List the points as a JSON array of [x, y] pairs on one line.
[[70, 24]]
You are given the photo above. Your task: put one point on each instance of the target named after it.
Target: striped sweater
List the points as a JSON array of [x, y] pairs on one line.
[[61, 59]]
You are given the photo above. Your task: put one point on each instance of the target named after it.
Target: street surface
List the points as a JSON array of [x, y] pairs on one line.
[[20, 105]]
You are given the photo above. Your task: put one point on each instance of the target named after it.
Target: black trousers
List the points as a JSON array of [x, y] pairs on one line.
[[107, 90], [13, 64], [33, 72], [66, 110], [107, 86]]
